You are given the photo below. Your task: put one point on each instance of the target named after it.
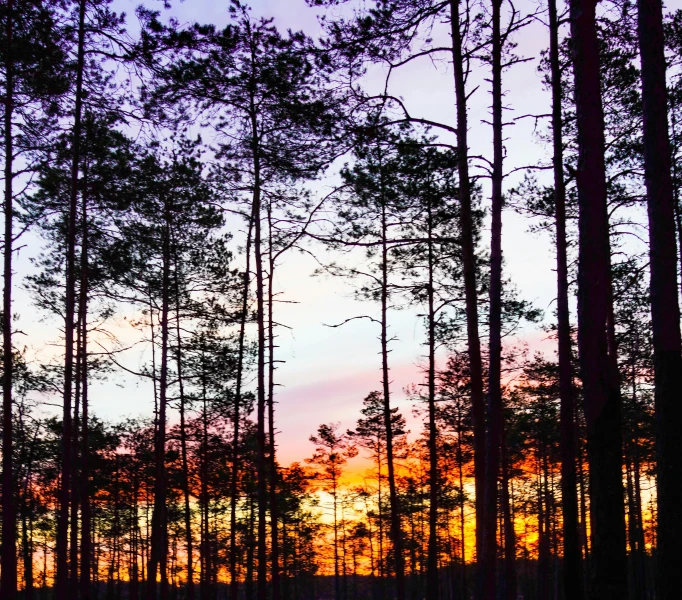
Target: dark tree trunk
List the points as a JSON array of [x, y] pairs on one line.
[[274, 539], [492, 466], [261, 460], [641, 546], [600, 381], [75, 482], [206, 557], [250, 547], [8, 581], [543, 534], [396, 530], [635, 528], [337, 577], [462, 502], [469, 272], [135, 543], [665, 311], [159, 536], [572, 573], [432, 587], [27, 543], [62, 575], [582, 488], [636, 589], [183, 441], [234, 482], [510, 583], [84, 491], [26, 510]]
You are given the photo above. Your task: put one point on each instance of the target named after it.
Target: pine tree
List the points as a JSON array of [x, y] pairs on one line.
[[32, 82], [597, 355], [331, 454], [664, 296], [573, 578]]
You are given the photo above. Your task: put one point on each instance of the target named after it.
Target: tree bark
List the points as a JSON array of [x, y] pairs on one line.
[[543, 531], [261, 460], [8, 575], [600, 381], [274, 538], [61, 582], [337, 577], [469, 273], [665, 310], [510, 582], [84, 481], [73, 530], [206, 558], [432, 587], [159, 538], [396, 530], [262, 588], [492, 466], [572, 572], [250, 550], [187, 514], [234, 483], [27, 543], [462, 501]]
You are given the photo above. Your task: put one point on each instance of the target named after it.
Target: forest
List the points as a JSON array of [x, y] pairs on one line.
[[164, 175]]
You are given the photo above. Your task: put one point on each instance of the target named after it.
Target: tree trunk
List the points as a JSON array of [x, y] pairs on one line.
[[73, 530], [261, 462], [462, 501], [572, 573], [183, 442], [665, 311], [543, 534], [582, 488], [509, 533], [600, 382], [84, 479], [641, 554], [61, 582], [396, 530], [27, 543], [135, 537], [8, 574], [274, 543], [489, 548], [337, 580], [636, 585], [469, 273], [26, 511], [676, 180], [432, 587], [159, 537], [250, 550], [205, 534], [234, 482]]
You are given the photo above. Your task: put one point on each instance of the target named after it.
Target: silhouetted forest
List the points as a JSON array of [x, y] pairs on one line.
[[159, 174]]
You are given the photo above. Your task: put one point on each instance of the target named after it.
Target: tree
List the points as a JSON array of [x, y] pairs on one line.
[[432, 274], [597, 354], [573, 578], [265, 80], [460, 61], [664, 297], [32, 80], [370, 433], [331, 454]]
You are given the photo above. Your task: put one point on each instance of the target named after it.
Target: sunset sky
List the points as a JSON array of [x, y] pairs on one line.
[[327, 375]]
